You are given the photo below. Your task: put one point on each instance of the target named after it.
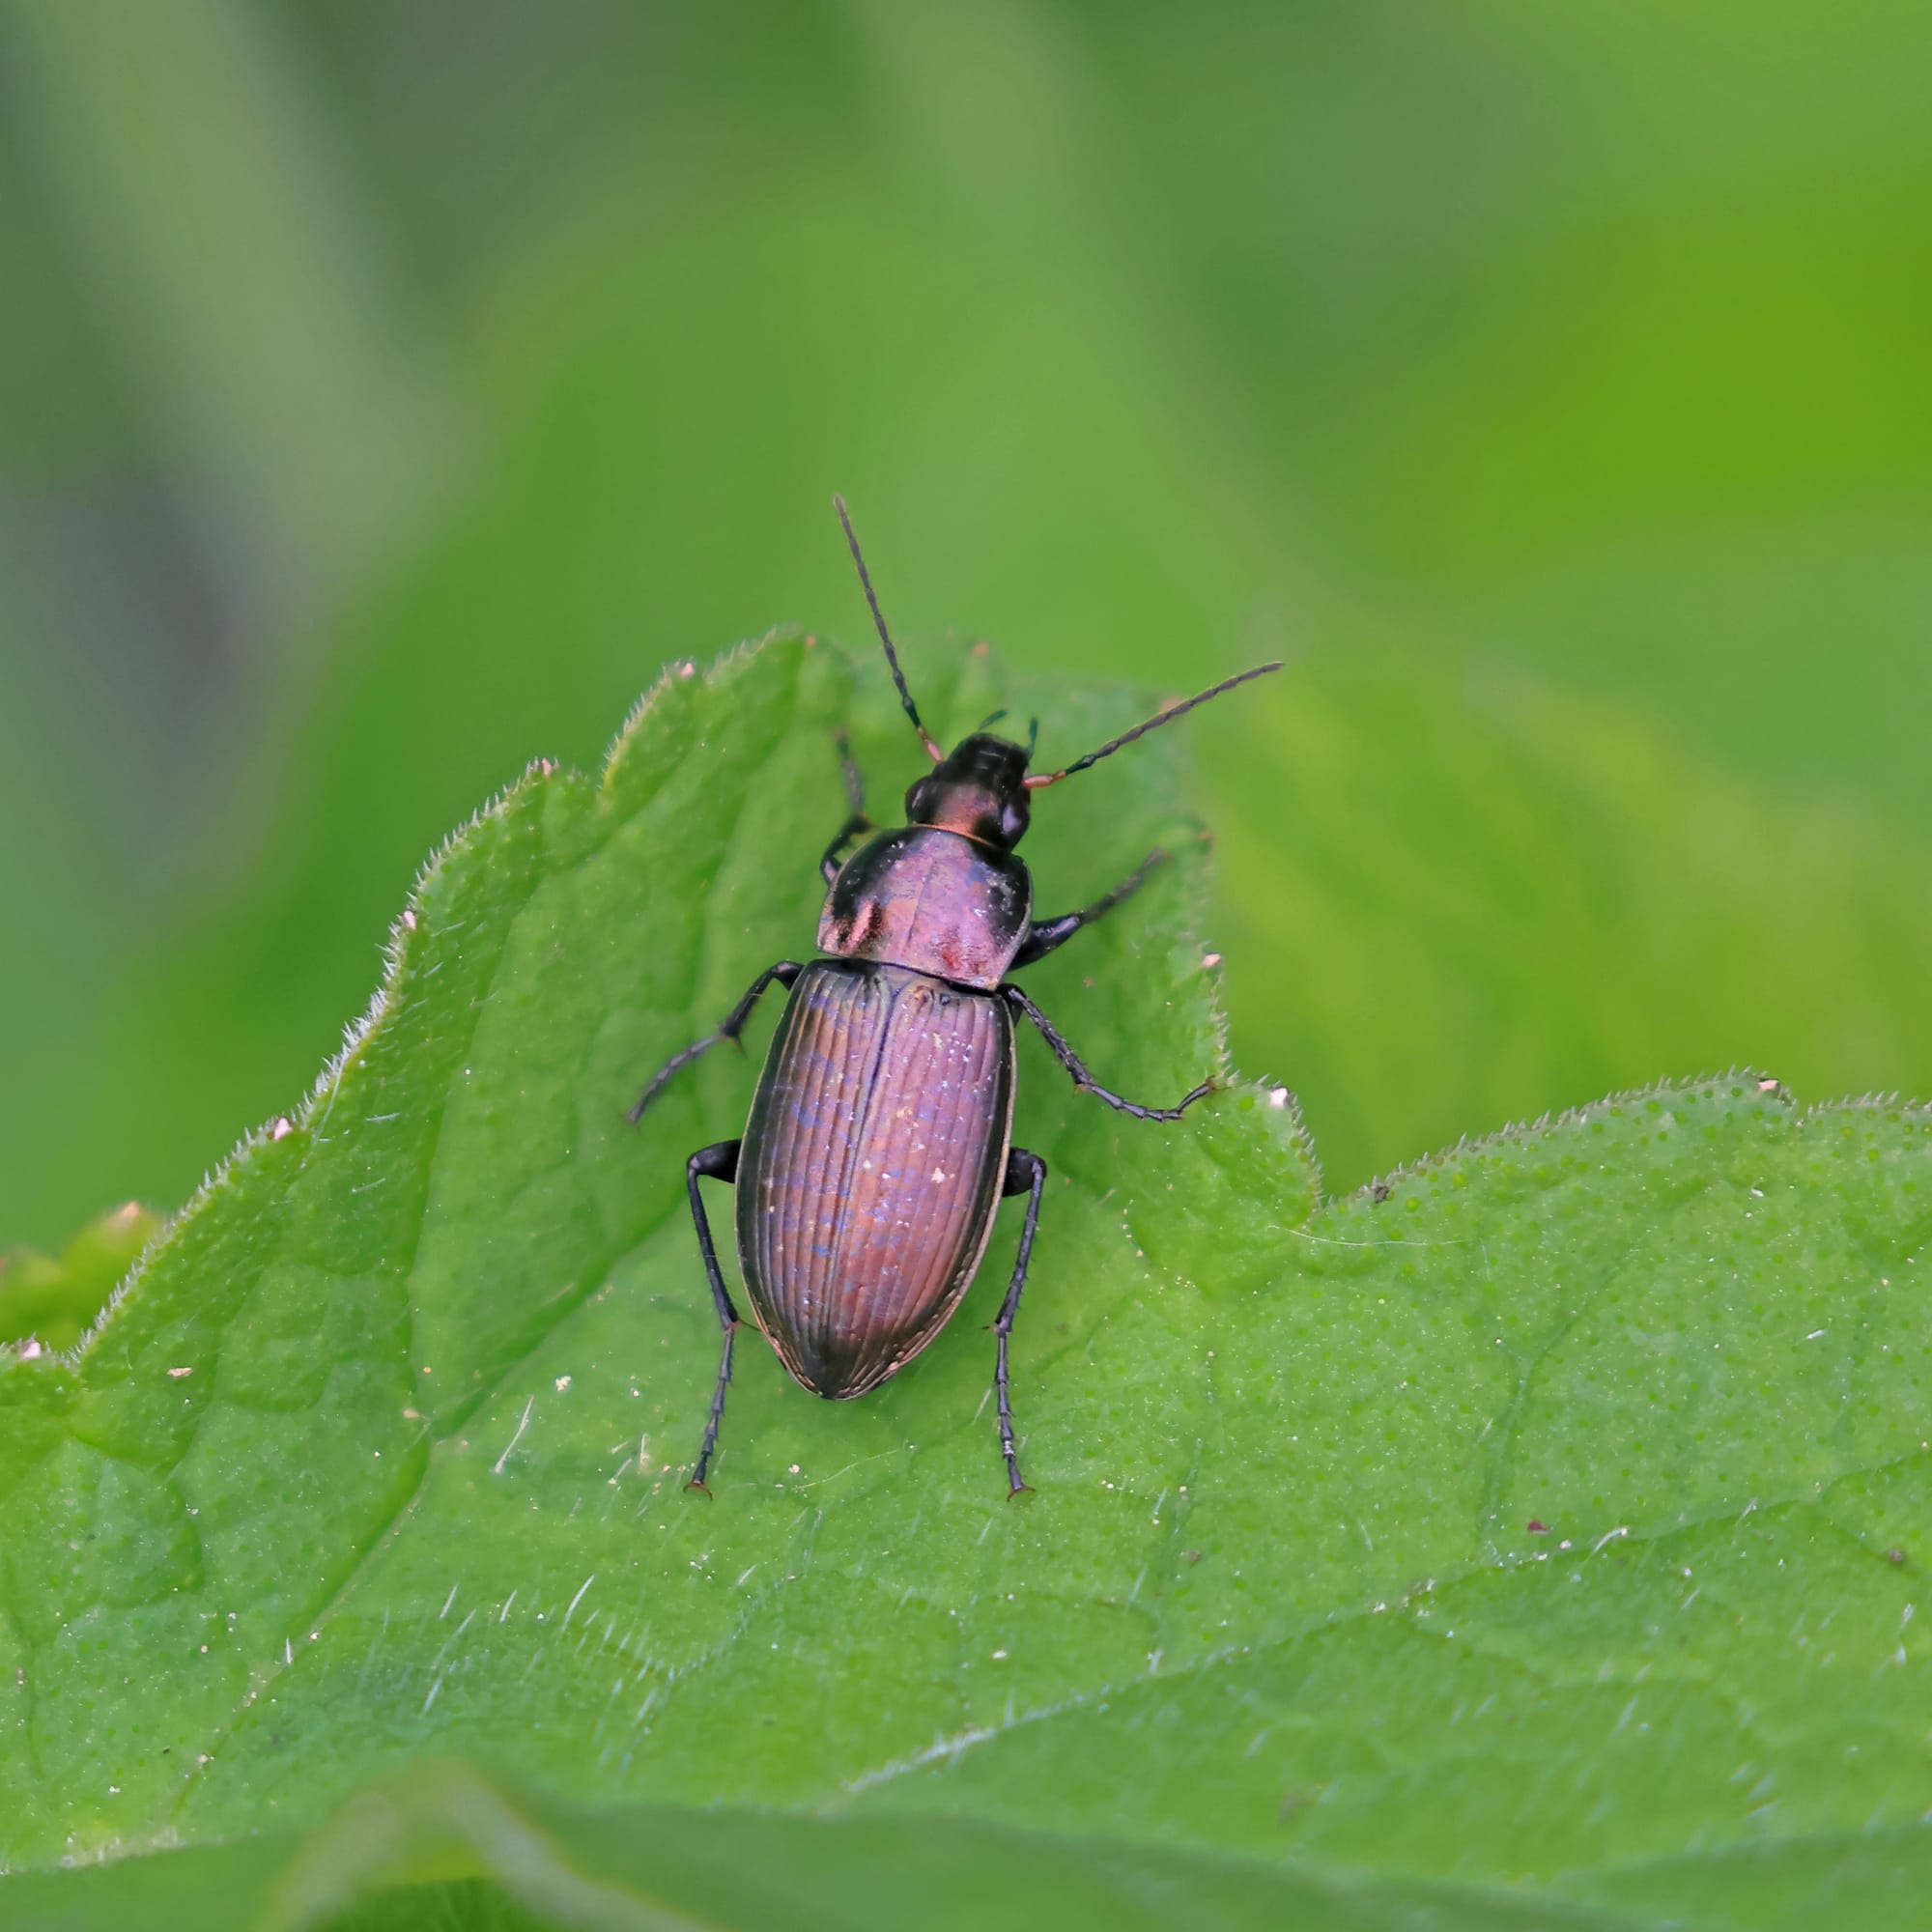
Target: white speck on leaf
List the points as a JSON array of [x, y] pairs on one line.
[[524, 1422]]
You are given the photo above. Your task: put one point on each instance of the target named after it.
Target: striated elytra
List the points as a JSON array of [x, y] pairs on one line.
[[880, 1140]]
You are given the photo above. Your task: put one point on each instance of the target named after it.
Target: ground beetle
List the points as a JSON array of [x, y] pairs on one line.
[[880, 1139]]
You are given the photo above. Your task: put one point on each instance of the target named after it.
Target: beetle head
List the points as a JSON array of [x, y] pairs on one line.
[[979, 788]]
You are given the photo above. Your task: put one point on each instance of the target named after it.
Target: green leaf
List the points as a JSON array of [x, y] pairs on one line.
[[51, 1299], [1545, 1517]]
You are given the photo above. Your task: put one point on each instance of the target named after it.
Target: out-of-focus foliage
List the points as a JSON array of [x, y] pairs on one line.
[[443, 1849], [387, 393], [1475, 895], [50, 1299]]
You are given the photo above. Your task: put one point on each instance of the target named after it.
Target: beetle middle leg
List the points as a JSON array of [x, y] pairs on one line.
[[1026, 1173], [1084, 1080], [784, 973], [1048, 934], [717, 1162]]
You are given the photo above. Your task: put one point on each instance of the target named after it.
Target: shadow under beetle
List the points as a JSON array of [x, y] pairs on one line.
[[880, 1138]]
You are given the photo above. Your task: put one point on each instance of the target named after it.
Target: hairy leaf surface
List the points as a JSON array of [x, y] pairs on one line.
[[1547, 1516]]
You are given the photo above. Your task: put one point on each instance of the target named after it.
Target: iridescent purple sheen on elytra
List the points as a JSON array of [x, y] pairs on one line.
[[871, 1167]]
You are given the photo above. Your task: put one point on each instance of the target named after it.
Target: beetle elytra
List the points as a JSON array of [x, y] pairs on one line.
[[880, 1139]]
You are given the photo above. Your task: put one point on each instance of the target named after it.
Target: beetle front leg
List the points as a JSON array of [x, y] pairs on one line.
[[1083, 1079], [1026, 1173], [718, 1162], [856, 820], [784, 973], [1048, 934]]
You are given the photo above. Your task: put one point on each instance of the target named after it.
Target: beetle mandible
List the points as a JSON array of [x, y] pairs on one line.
[[880, 1139]]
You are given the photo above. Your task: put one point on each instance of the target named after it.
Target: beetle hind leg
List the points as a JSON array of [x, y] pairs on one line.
[[717, 1162], [1026, 1173]]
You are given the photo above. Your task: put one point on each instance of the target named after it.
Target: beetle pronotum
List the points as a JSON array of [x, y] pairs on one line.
[[880, 1139]]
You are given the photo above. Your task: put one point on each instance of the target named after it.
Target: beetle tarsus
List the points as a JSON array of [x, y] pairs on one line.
[[1084, 1081], [717, 1162], [784, 973], [1026, 1173], [848, 770], [715, 1420]]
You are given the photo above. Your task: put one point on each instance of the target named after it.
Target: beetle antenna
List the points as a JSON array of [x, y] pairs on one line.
[[885, 636], [991, 718], [1141, 730]]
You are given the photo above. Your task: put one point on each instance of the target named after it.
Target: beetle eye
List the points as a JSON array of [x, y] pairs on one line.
[[1014, 819], [919, 802]]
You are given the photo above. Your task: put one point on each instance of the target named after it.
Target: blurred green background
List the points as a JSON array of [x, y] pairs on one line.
[[388, 390]]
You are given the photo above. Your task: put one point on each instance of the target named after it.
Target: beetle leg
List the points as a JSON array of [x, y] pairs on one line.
[[854, 778], [784, 973], [1026, 1173], [830, 866], [1084, 1080], [720, 1164], [1047, 934], [857, 820]]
